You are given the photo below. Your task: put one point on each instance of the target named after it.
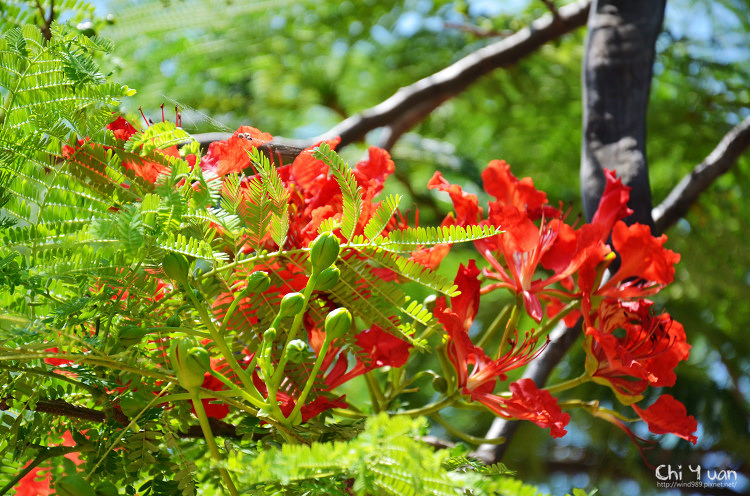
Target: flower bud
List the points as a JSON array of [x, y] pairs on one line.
[[73, 485], [337, 323], [269, 336], [291, 304], [439, 384], [324, 251], [189, 362], [327, 278], [174, 321], [176, 267], [106, 488], [130, 335], [132, 404], [258, 282], [296, 351]]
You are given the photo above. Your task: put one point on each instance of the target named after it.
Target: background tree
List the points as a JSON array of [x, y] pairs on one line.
[[302, 69]]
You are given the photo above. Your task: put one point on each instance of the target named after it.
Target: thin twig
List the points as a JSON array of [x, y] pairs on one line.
[[718, 162]]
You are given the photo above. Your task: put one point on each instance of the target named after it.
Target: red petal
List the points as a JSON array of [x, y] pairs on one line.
[[669, 416]]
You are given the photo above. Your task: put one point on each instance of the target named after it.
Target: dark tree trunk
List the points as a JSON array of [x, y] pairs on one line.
[[617, 71]]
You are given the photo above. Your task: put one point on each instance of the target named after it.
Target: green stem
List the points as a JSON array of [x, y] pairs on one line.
[[244, 394], [379, 401], [210, 441], [449, 371], [433, 407], [310, 380], [275, 381], [230, 312], [494, 327], [510, 326], [462, 435], [222, 345], [348, 413], [547, 327], [569, 384]]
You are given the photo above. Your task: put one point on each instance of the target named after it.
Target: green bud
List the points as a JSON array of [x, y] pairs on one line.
[[439, 384], [327, 278], [297, 351], [73, 485], [291, 304], [258, 282], [132, 404], [106, 488], [324, 251], [337, 323], [174, 321], [197, 363], [189, 362], [176, 267], [269, 336], [131, 335]]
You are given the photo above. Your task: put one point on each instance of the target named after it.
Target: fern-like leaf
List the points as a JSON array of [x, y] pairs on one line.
[[351, 193], [382, 216]]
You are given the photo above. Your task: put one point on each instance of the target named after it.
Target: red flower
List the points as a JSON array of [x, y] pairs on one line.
[[231, 156], [148, 169], [465, 204], [529, 403], [512, 192], [522, 249], [613, 205], [35, 483], [669, 416], [121, 128], [646, 354], [643, 258], [38, 481], [57, 361], [378, 349]]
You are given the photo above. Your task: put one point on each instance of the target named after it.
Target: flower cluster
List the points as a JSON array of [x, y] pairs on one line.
[[276, 323], [539, 257]]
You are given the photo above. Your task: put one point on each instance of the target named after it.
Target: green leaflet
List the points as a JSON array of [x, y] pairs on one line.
[[411, 237], [277, 193], [351, 193], [382, 216], [53, 93], [156, 137]]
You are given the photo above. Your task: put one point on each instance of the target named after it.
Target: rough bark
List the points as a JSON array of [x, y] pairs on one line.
[[617, 75], [617, 71]]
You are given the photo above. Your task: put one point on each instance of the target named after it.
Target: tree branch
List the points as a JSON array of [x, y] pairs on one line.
[[65, 409], [411, 104], [718, 162]]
